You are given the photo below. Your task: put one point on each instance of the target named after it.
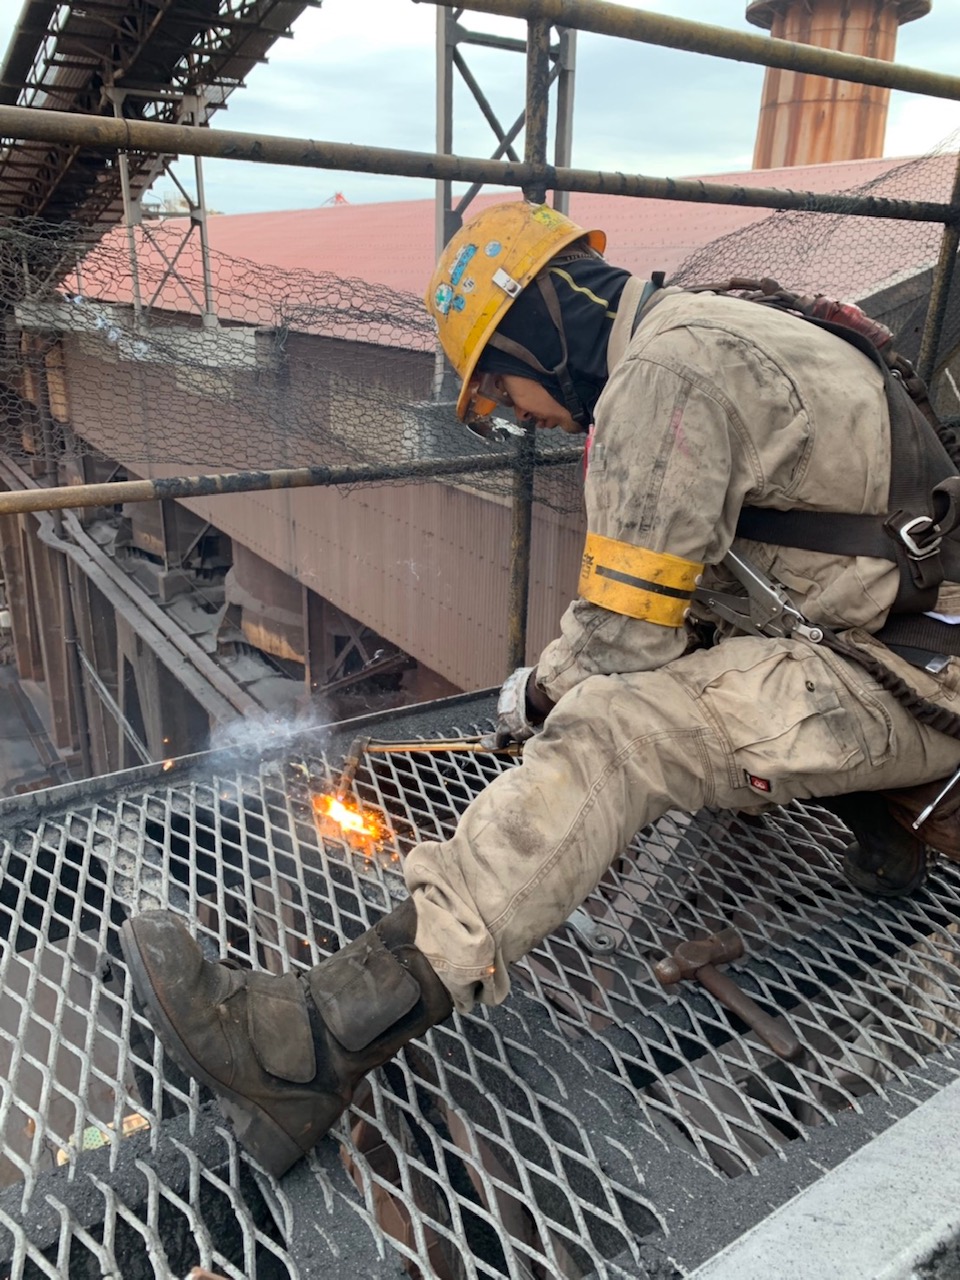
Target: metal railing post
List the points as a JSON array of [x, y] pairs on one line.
[[535, 152], [520, 544]]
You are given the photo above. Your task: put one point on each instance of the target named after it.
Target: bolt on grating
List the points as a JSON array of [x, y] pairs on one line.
[[511, 1142]]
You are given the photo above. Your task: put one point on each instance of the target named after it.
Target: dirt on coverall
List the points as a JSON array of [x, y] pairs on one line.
[[713, 404]]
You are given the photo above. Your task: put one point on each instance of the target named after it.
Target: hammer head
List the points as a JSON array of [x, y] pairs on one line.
[[716, 948]]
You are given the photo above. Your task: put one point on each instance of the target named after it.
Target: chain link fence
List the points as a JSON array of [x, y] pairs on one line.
[[303, 368]]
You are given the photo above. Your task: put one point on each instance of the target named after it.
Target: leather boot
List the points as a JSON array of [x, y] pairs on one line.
[[284, 1054], [885, 858]]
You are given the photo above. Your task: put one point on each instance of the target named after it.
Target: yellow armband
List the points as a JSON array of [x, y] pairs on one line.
[[637, 583]]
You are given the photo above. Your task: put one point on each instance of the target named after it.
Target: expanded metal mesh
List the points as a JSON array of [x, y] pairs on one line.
[[511, 1142]]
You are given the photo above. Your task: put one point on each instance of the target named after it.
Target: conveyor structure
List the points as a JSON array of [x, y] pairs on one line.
[[166, 61]]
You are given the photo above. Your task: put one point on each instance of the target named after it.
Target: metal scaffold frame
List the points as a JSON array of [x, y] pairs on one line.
[[546, 63], [595, 1123]]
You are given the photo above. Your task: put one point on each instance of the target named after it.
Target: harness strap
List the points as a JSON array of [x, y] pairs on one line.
[[918, 634], [918, 531], [654, 284], [858, 535]]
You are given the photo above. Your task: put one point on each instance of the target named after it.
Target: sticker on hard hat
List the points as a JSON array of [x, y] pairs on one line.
[[492, 248], [468, 285], [506, 282], [460, 263], [459, 302], [443, 297]]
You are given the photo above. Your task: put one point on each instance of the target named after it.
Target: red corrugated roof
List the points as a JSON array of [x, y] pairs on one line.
[[350, 270], [393, 243]]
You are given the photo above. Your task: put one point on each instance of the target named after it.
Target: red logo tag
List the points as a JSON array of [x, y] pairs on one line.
[[758, 784]]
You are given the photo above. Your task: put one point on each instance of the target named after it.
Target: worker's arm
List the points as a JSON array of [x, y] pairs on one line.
[[670, 467]]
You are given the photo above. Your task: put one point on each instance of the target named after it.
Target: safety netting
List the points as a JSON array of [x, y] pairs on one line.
[[156, 355]]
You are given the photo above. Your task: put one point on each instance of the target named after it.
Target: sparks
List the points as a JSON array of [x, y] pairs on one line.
[[359, 827], [167, 764]]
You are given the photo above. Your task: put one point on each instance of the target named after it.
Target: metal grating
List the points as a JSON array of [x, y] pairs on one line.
[[515, 1142]]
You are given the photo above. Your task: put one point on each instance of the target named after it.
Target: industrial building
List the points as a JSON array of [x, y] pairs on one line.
[[190, 671]]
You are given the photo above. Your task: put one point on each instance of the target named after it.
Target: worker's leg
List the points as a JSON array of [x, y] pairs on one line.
[[751, 721], [284, 1054]]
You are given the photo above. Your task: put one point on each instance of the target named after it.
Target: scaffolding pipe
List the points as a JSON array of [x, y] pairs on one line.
[[27, 124], [521, 530], [685, 34], [114, 492], [537, 111], [535, 153]]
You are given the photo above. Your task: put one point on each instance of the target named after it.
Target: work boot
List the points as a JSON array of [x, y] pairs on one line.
[[885, 859], [284, 1054]]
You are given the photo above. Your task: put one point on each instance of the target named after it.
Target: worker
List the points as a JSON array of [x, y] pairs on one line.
[[701, 407]]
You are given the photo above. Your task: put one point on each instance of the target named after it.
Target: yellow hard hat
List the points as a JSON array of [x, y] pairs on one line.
[[482, 270]]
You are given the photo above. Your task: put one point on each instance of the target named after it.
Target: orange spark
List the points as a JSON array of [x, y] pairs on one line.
[[167, 764], [359, 827]]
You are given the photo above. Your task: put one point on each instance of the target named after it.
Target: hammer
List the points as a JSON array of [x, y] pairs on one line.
[[697, 960]]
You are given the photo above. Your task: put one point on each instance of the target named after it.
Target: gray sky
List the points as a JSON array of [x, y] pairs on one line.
[[362, 71]]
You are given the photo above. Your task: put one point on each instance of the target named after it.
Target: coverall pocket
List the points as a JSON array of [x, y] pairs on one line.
[[784, 716], [596, 483]]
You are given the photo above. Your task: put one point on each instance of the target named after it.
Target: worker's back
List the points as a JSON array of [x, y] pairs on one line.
[[737, 404]]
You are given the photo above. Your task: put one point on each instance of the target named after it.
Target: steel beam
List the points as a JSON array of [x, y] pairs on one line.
[[213, 687], [27, 124]]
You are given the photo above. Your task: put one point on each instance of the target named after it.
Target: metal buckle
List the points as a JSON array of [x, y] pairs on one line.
[[594, 934], [919, 524], [937, 663]]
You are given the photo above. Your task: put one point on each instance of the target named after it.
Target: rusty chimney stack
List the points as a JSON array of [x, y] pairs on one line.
[[807, 119]]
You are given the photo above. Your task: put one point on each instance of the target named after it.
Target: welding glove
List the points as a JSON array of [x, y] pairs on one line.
[[522, 708]]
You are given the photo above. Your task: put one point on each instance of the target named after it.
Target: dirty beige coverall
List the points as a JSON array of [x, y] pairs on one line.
[[714, 403]]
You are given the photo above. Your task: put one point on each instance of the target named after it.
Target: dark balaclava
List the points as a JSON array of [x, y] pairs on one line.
[[588, 290]]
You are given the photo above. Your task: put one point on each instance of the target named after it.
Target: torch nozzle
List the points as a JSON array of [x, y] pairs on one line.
[[350, 766]]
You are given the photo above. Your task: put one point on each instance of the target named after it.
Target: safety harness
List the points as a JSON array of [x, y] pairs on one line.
[[920, 531]]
